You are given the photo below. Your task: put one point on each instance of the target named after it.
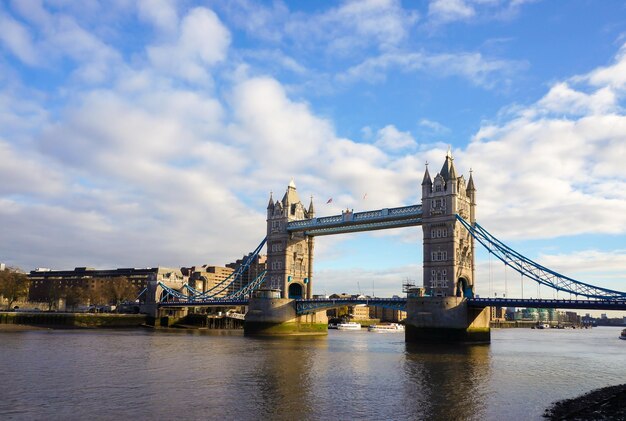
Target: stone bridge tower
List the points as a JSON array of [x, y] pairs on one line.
[[448, 246], [289, 255]]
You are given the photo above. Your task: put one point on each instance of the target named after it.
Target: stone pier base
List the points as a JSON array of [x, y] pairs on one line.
[[446, 319], [277, 316]]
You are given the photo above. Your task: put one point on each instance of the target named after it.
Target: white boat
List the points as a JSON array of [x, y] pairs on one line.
[[387, 327], [543, 326], [623, 335], [348, 326], [332, 325]]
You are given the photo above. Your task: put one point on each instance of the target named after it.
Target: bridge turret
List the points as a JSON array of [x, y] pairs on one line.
[[311, 212], [451, 184], [471, 193], [270, 206], [427, 183]]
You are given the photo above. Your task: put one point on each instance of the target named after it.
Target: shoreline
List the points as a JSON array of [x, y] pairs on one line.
[[606, 403], [21, 328]]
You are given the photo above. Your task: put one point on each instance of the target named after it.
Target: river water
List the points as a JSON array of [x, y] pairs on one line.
[[168, 375]]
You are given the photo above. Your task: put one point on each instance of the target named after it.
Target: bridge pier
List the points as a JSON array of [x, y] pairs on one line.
[[446, 319], [270, 315]]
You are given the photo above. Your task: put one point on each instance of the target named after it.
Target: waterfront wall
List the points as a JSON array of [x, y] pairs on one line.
[[277, 316], [446, 319], [73, 320]]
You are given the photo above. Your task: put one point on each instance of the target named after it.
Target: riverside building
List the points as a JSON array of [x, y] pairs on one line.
[[43, 279]]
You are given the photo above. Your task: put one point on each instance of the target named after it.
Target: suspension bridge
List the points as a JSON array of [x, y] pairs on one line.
[[450, 233], [224, 293]]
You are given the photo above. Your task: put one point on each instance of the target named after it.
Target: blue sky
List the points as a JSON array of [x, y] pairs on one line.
[[145, 133]]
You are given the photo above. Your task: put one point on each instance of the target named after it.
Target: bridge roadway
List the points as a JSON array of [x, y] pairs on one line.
[[306, 306]]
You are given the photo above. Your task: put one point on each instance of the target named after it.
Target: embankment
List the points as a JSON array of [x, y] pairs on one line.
[[70, 320]]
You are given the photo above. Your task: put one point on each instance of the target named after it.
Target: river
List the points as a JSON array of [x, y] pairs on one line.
[[168, 375]]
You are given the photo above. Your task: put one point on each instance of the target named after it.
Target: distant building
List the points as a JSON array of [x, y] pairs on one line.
[[360, 312], [212, 279], [387, 314], [571, 317], [498, 313], [43, 278], [2, 266], [256, 267]]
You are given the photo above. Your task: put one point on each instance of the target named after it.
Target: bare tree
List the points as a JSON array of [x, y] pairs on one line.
[[120, 289], [13, 286], [53, 293]]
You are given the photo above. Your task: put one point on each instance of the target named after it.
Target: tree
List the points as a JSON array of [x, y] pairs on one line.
[[74, 296], [119, 289], [13, 286], [54, 292], [95, 293]]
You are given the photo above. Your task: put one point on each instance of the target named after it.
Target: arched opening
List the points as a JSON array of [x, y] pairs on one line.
[[463, 288], [295, 291]]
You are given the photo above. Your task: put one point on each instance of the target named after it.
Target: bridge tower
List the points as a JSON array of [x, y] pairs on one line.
[[442, 315], [448, 246], [289, 255], [289, 270]]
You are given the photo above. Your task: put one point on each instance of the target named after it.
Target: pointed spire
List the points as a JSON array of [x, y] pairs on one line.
[[311, 209], [470, 183], [445, 170], [427, 180], [452, 170], [270, 205], [291, 195]]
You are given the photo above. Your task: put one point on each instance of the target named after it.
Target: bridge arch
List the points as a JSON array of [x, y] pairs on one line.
[[463, 288], [296, 290]]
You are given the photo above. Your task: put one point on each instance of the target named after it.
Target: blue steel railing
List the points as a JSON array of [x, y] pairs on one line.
[[306, 306], [534, 270], [548, 303]]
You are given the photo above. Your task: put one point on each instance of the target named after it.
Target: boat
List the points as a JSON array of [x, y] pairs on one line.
[[623, 335], [543, 326], [386, 327], [348, 326], [332, 325]]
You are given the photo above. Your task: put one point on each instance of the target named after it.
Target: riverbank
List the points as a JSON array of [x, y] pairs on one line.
[[608, 403], [35, 320]]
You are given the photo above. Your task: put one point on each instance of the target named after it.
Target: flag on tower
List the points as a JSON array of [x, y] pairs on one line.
[[329, 201]]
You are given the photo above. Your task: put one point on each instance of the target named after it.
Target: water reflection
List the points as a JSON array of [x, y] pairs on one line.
[[448, 382], [282, 383]]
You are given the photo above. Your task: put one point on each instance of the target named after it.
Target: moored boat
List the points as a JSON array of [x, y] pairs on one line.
[[386, 327], [348, 326]]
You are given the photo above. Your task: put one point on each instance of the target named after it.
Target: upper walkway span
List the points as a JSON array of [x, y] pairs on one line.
[[347, 222]]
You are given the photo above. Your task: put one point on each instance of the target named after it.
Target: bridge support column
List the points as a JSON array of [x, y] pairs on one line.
[[270, 315], [446, 319]]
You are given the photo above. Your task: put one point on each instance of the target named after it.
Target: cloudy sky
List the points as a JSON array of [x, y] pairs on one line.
[[145, 133]]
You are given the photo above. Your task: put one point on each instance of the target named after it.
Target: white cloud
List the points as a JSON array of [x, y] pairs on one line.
[[450, 10], [613, 76], [554, 167], [17, 39], [390, 138], [161, 13], [433, 126], [563, 99], [471, 66], [202, 42]]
